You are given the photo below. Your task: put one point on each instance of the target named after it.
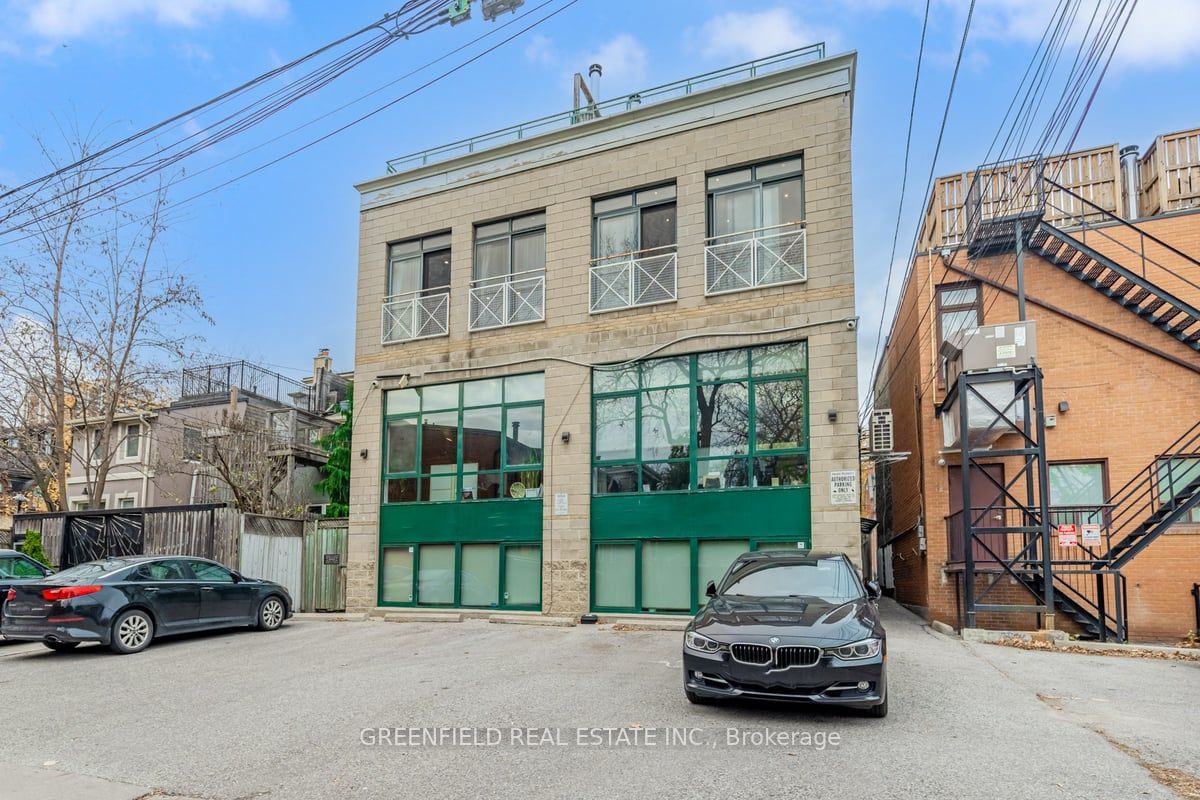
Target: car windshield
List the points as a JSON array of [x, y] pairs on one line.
[[18, 567], [828, 579], [91, 570]]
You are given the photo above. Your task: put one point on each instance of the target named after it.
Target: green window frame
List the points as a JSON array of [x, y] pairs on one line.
[[515, 399], [504, 571], [645, 395], [696, 582]]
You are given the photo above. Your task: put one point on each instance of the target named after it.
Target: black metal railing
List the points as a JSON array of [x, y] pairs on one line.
[[246, 377]]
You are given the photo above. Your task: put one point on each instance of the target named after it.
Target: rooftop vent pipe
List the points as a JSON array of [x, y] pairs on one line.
[[1129, 170]]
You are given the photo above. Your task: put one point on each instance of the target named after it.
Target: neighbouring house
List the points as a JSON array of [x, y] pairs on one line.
[[1111, 265], [234, 417], [601, 354]]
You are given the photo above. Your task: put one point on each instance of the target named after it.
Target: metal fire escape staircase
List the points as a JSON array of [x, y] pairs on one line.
[[1008, 205], [1091, 588], [1071, 253]]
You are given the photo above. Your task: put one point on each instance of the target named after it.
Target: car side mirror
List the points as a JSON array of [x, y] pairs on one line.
[[873, 590], [237, 578], [710, 590]]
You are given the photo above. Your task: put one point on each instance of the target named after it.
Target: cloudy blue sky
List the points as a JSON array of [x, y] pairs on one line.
[[275, 253]]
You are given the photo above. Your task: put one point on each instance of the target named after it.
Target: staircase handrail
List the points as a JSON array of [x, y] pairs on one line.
[[1115, 218]]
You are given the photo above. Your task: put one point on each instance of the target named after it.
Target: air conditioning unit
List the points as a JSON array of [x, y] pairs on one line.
[[882, 431]]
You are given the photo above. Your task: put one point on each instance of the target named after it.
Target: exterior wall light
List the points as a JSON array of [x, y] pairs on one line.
[[566, 437], [832, 414]]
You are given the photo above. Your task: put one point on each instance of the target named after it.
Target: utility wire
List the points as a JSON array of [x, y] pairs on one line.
[[891, 263], [357, 120], [219, 99], [243, 119]]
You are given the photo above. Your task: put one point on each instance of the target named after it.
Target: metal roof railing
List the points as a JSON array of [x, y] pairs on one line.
[[616, 105]]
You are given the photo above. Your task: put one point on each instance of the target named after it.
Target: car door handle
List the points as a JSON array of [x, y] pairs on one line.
[[151, 589], [206, 588]]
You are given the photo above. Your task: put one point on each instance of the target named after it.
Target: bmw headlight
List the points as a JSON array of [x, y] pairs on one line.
[[701, 644], [867, 648]]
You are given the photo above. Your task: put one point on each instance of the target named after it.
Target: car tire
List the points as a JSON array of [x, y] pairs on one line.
[[61, 647], [271, 613], [879, 711], [132, 632], [696, 699]]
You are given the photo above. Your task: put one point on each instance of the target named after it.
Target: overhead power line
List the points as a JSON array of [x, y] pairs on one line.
[[356, 121]]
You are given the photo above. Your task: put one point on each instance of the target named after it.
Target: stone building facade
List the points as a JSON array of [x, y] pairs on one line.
[[586, 267]]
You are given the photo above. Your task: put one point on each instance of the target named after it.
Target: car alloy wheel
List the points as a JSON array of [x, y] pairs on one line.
[[132, 632], [271, 615]]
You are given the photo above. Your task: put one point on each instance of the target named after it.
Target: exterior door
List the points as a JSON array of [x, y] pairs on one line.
[[984, 492], [168, 588], [222, 599]]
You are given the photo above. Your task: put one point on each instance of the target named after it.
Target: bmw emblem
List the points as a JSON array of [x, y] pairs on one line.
[[774, 640]]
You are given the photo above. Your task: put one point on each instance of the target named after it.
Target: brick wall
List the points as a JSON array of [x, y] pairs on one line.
[[816, 310], [1126, 407]]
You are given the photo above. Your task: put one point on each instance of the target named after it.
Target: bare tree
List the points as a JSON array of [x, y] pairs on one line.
[[90, 315], [247, 463]]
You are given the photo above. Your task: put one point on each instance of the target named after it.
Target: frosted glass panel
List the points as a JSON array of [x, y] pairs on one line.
[[666, 576], [714, 559], [436, 578], [397, 575], [615, 575], [480, 575], [523, 575]]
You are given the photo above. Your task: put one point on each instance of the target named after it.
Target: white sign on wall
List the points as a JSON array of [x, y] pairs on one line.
[[843, 487], [560, 504]]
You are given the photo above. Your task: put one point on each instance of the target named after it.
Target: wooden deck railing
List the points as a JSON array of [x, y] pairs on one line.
[[1169, 173]]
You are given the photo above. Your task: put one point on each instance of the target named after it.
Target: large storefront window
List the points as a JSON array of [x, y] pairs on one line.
[[462, 574], [458, 442], [734, 419], [666, 576]]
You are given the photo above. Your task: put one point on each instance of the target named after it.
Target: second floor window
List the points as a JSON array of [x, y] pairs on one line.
[[634, 222], [133, 440], [959, 308], [509, 248], [753, 198], [419, 265]]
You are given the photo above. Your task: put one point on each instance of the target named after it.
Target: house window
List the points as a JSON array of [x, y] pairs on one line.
[[750, 199], [97, 450], [731, 419], [634, 222], [1077, 492], [511, 247], [960, 306], [193, 443], [419, 265], [126, 502], [479, 440], [467, 574], [133, 440], [1174, 476]]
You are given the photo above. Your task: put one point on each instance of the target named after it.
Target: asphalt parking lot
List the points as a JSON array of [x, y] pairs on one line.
[[296, 713]]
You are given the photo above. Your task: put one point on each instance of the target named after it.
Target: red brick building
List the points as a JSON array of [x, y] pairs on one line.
[[1112, 282]]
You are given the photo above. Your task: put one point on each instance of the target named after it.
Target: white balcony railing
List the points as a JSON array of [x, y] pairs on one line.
[[644, 278], [416, 315], [505, 300], [763, 257]]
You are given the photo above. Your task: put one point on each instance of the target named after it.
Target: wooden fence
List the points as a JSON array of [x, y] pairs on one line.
[[1169, 174]]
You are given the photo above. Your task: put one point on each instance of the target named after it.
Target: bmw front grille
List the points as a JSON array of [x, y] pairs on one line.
[[776, 658]]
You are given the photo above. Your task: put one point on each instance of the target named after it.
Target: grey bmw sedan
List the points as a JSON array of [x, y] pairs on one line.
[[789, 626]]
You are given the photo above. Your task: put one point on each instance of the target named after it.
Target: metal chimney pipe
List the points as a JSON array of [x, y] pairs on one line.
[[1129, 175]]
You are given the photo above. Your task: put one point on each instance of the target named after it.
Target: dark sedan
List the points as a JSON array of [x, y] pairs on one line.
[[127, 602], [17, 568], [791, 626]]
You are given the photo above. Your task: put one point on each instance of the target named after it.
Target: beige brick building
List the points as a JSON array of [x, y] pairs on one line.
[[665, 288]]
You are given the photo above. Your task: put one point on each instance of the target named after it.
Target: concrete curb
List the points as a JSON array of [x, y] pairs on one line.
[[985, 635], [553, 622], [943, 628], [1153, 648], [419, 617], [645, 625], [329, 616]]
